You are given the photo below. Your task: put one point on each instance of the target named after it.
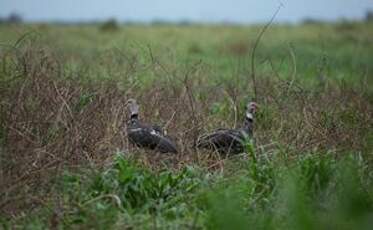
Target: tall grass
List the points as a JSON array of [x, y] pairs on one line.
[[63, 118]]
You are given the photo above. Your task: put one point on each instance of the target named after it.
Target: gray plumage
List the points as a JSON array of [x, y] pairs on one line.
[[230, 141], [145, 135]]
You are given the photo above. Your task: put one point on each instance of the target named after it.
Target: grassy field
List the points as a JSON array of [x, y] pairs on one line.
[[66, 161]]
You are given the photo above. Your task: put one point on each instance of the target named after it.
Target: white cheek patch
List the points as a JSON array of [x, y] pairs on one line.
[[249, 116]]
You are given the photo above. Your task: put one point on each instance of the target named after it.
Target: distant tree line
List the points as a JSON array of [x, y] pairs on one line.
[[112, 24], [12, 18], [368, 18]]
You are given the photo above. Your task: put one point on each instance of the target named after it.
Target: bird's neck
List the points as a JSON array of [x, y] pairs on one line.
[[134, 116], [248, 122]]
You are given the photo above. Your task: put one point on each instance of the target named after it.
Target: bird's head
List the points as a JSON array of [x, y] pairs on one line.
[[251, 109], [133, 106]]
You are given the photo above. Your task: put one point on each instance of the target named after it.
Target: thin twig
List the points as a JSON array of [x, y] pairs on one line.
[[294, 72], [234, 105], [169, 121], [112, 196], [253, 77]]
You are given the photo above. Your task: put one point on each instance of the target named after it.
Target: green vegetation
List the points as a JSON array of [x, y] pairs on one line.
[[65, 161], [313, 193]]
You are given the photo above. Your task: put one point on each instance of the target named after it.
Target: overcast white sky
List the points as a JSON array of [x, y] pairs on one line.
[[242, 11]]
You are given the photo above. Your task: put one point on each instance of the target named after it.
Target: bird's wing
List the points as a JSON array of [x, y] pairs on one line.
[[223, 140], [234, 134], [147, 136], [158, 129], [161, 142]]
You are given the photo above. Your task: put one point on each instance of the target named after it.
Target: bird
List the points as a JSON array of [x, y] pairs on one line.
[[145, 135], [230, 141]]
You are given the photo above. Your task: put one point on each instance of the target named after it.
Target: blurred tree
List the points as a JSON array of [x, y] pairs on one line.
[[110, 25], [160, 22], [311, 21], [369, 16], [14, 18]]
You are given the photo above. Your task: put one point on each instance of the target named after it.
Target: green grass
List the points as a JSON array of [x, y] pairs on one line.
[[315, 192], [63, 90], [337, 52]]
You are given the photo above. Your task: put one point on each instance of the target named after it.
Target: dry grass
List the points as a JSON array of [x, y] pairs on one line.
[[51, 123], [236, 48]]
